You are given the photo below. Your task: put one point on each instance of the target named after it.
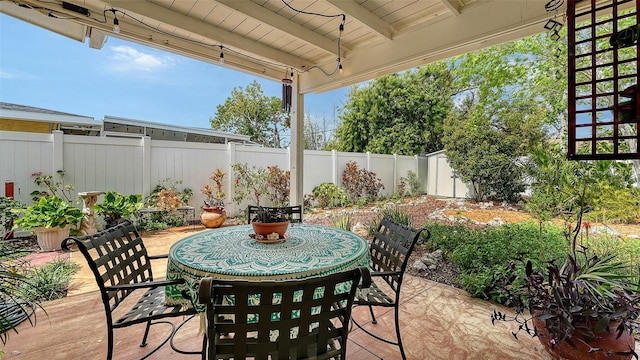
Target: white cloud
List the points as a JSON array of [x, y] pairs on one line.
[[16, 75], [128, 59]]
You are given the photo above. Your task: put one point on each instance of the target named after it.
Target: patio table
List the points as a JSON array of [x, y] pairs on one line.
[[230, 253]]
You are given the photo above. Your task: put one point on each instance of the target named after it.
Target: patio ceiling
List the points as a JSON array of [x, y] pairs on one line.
[[270, 39]]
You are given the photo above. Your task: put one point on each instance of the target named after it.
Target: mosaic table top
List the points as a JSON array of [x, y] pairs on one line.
[[230, 253]]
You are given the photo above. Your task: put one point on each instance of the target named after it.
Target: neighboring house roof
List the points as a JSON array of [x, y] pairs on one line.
[[118, 126], [31, 113]]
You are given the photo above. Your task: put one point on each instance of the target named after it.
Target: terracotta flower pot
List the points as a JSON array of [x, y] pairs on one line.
[[265, 229], [212, 217], [606, 341]]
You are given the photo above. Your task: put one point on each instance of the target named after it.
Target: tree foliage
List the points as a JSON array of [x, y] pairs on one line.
[[501, 113], [249, 112], [397, 114]]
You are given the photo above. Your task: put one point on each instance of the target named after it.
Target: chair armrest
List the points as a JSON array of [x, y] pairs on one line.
[[156, 257], [386, 273], [144, 285]]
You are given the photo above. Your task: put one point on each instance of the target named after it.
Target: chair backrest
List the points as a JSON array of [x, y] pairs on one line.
[[391, 247], [294, 213], [292, 319], [116, 256]]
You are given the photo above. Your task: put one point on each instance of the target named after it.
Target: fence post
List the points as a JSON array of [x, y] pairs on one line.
[[58, 150], [334, 163], [231, 190], [145, 142], [395, 173]]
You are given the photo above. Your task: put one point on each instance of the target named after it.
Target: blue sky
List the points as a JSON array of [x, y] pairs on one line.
[[43, 69]]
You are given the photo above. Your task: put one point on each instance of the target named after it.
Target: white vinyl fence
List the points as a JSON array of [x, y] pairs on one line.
[[137, 165]]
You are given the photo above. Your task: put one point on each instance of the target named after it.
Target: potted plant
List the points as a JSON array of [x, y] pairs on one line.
[[213, 214], [580, 309], [115, 206], [270, 220], [51, 218]]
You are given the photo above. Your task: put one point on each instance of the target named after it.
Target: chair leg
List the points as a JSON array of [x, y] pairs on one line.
[[146, 333], [397, 319], [109, 343], [373, 316]]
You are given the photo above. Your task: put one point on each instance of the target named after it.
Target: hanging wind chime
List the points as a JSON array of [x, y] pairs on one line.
[[286, 92]]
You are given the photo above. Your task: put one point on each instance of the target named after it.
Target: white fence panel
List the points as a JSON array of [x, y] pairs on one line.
[[384, 168], [111, 164], [318, 169], [442, 180], [190, 163], [404, 164], [22, 155], [136, 166]]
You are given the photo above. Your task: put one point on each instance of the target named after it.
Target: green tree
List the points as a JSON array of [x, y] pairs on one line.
[[249, 112], [400, 113], [485, 151]]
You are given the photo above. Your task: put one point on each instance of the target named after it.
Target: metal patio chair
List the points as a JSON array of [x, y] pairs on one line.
[[120, 264], [390, 250], [291, 319], [294, 213]]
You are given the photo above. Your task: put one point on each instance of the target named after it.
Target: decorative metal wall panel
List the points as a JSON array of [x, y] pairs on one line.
[[603, 79]]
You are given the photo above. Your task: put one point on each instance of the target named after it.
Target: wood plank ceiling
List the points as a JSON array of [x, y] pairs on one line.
[[274, 38]]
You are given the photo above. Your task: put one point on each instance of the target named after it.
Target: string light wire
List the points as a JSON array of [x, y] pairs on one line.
[[53, 13]]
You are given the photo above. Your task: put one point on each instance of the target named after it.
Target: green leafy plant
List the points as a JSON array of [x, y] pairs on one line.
[[52, 280], [394, 212], [329, 195], [115, 206], [410, 185], [7, 217], [342, 221], [51, 187], [49, 211]]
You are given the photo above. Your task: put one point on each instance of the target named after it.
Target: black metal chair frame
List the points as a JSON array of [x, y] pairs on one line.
[[311, 320], [390, 249], [120, 264], [294, 213]]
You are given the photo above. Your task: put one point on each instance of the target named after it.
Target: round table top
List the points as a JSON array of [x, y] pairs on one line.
[[308, 250]]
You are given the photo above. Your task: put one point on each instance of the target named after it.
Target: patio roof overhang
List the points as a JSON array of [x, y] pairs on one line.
[[269, 39]]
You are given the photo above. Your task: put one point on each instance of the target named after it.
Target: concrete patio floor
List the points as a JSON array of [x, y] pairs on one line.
[[437, 322]]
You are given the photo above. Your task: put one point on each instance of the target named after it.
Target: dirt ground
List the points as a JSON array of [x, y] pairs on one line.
[[446, 210]]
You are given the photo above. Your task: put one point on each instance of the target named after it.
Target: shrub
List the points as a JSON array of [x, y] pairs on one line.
[[396, 213], [279, 183], [482, 254], [52, 280], [329, 195], [250, 183], [613, 205], [166, 196], [359, 183], [409, 186]]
